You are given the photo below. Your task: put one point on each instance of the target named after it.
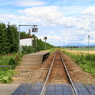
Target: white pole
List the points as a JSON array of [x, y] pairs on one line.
[[88, 43], [36, 44], [19, 37]]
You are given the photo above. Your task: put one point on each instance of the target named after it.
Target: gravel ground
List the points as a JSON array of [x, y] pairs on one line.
[[38, 75]]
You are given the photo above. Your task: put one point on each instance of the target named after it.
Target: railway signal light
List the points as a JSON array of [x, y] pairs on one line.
[[45, 38], [35, 29]]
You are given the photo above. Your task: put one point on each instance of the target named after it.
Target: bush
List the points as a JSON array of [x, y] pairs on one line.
[[14, 61], [5, 76], [27, 49], [90, 57], [5, 79]]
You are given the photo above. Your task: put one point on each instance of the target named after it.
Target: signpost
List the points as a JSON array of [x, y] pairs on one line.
[[45, 38], [88, 43]]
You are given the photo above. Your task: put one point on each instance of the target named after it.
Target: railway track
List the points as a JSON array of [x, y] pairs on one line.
[[58, 72]]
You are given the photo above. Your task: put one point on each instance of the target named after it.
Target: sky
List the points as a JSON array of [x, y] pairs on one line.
[[63, 22]]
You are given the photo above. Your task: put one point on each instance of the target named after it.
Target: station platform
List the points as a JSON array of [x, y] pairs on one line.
[[32, 60], [51, 89]]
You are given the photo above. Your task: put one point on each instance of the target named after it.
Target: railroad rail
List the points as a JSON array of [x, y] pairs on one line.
[[58, 53]]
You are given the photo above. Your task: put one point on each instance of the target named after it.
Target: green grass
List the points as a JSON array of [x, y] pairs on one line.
[[6, 73], [5, 59], [86, 62], [52, 50], [6, 76]]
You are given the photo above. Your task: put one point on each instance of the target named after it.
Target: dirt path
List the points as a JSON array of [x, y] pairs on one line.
[[38, 75]]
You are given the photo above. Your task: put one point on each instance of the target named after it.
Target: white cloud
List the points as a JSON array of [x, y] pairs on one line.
[[25, 3], [74, 37], [70, 37], [88, 18], [83, 24], [46, 13], [54, 37], [18, 19], [72, 11], [51, 32], [49, 15], [53, 16], [89, 11]]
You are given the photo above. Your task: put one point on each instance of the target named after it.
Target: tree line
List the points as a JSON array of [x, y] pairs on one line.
[[9, 39]]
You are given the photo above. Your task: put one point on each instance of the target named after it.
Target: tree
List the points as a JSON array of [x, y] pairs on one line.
[[4, 45], [12, 35], [8, 39], [23, 34]]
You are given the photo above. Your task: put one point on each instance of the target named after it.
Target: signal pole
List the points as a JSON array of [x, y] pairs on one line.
[[45, 38], [88, 43]]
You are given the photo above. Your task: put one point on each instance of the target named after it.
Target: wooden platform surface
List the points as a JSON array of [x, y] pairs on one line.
[[32, 60]]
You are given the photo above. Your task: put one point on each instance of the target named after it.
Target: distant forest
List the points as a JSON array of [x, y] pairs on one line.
[[9, 39]]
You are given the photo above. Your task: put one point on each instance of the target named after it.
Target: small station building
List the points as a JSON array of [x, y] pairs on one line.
[[27, 41]]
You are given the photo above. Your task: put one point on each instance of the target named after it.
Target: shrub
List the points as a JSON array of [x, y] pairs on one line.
[[5, 79], [5, 76], [27, 49], [90, 57], [14, 61]]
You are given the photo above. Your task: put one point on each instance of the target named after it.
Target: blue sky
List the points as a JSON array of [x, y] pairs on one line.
[[64, 22]]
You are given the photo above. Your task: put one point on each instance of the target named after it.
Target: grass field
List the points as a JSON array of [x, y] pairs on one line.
[[80, 50], [84, 59], [83, 49]]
